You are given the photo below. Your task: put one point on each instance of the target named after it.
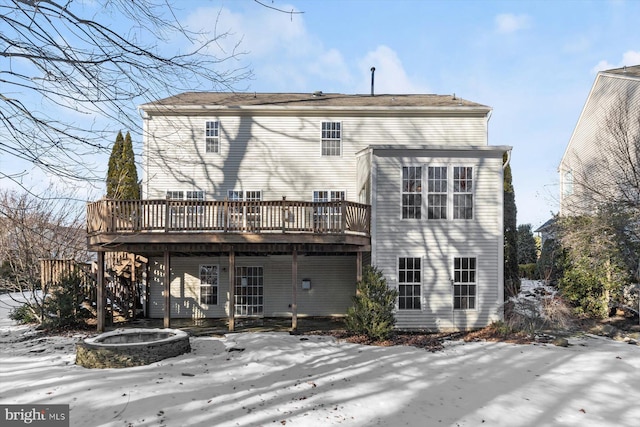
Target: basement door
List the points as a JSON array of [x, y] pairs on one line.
[[249, 291]]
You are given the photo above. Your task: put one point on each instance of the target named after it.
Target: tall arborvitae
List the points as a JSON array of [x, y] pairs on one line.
[[122, 176], [113, 173], [511, 274], [129, 188]]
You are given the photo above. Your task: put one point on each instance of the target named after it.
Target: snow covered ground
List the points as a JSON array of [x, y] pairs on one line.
[[282, 379]]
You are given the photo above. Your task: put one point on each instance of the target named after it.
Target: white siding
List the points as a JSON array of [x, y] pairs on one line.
[[280, 155], [438, 241], [587, 150], [332, 279]]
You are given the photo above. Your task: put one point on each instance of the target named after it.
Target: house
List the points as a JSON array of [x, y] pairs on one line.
[[270, 204], [602, 152]]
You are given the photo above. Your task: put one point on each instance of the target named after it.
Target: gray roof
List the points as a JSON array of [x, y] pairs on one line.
[[308, 100], [630, 71]]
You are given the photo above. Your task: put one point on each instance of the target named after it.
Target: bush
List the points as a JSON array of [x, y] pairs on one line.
[[372, 313], [64, 305], [528, 271], [23, 314]]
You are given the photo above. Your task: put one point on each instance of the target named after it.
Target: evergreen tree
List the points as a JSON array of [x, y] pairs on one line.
[[511, 274], [113, 172], [372, 313], [129, 188], [122, 176], [527, 248]]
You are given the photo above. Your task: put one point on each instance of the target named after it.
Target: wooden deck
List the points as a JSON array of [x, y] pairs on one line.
[[205, 226]]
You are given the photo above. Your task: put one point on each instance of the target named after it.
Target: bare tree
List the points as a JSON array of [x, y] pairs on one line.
[[31, 229], [65, 58]]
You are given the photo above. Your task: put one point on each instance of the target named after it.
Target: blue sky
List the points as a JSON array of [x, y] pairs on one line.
[[533, 62]]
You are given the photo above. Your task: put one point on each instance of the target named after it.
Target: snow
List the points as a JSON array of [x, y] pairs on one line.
[[257, 379]]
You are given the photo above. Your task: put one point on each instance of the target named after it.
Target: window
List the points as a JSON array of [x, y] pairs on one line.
[[437, 192], [209, 284], [411, 192], [409, 279], [462, 192], [189, 214], [249, 291], [331, 139], [212, 137], [248, 215], [464, 283], [567, 183], [328, 217]]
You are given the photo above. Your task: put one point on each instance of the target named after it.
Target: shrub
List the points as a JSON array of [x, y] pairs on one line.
[[64, 305], [372, 313], [528, 271], [23, 314]]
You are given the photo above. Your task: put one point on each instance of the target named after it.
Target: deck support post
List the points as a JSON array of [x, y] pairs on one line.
[[167, 289], [232, 290], [294, 290], [100, 294], [359, 266]]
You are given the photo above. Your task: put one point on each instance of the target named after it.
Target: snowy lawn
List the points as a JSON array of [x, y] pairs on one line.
[[257, 379]]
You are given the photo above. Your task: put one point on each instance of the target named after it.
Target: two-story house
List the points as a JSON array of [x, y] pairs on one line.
[[269, 204], [600, 161]]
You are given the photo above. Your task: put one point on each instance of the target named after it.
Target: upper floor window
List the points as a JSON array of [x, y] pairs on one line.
[[412, 192], [212, 136], [567, 183], [462, 192], [409, 279], [331, 139], [437, 192]]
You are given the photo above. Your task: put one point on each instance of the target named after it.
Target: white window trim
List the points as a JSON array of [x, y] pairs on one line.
[[421, 296], [476, 283], [422, 192], [313, 192], [448, 196], [217, 286], [218, 137], [472, 192], [341, 139]]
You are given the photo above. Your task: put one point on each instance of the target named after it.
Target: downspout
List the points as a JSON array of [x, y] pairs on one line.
[[504, 166]]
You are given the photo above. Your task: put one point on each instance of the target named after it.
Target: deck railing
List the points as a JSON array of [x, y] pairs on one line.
[[139, 216]]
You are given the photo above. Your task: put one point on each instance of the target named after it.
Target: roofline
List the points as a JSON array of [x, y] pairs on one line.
[[152, 109], [439, 148]]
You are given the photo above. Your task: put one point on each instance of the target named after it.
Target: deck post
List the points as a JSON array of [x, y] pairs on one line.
[[167, 289], [359, 266], [294, 290], [100, 297], [232, 290]]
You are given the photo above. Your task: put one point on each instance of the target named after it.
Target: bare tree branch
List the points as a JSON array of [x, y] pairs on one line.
[[69, 79]]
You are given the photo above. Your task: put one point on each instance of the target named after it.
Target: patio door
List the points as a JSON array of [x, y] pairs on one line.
[[249, 291]]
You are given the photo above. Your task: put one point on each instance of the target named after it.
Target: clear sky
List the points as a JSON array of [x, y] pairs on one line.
[[533, 62]]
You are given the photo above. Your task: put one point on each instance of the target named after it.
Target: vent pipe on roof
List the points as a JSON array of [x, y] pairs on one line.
[[373, 70]]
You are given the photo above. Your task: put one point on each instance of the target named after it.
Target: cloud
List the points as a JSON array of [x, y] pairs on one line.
[[509, 23], [630, 57], [390, 76]]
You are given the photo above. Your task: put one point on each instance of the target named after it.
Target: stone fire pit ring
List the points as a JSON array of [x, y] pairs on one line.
[[125, 348]]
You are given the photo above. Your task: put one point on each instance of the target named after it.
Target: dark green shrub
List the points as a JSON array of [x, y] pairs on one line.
[[372, 313], [528, 271], [23, 314], [64, 305]]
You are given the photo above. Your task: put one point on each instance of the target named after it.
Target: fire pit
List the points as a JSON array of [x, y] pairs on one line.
[[124, 348]]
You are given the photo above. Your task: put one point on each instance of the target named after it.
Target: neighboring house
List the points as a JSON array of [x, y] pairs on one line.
[[604, 143], [269, 205]]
